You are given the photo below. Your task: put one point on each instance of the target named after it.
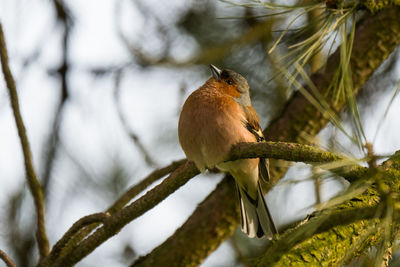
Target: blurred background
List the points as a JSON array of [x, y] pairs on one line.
[[101, 84]]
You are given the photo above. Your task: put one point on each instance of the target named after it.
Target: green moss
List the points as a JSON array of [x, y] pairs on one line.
[[374, 6]]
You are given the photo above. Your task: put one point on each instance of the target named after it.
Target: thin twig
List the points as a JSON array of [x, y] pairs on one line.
[[81, 223], [34, 185], [132, 135], [142, 185], [6, 259]]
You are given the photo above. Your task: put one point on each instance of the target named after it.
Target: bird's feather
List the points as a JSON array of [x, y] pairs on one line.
[[256, 218], [263, 169], [252, 124]]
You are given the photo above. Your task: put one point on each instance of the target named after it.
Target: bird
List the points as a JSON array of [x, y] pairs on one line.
[[213, 119]]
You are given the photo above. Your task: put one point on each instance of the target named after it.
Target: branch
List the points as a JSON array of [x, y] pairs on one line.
[[5, 257], [53, 141], [78, 236], [34, 185], [207, 55], [282, 150], [204, 224], [351, 171], [376, 37], [120, 218], [114, 223]]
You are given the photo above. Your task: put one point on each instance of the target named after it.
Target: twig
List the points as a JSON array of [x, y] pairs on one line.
[[81, 223], [6, 259], [209, 54], [132, 135], [136, 189], [317, 185], [34, 185]]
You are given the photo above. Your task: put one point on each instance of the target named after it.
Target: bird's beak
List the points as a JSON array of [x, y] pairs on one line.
[[215, 72]]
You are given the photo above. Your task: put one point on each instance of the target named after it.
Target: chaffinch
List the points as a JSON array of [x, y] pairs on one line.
[[216, 117]]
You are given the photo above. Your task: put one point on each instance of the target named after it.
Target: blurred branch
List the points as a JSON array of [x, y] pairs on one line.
[[206, 55], [22, 242], [133, 136], [64, 18], [31, 177], [317, 185], [316, 61], [376, 37], [235, 243], [6, 259]]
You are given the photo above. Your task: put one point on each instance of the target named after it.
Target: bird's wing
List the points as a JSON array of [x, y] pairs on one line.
[[252, 124]]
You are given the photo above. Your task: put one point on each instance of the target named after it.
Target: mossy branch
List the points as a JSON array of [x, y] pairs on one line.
[[356, 223], [282, 150], [33, 183], [374, 6], [346, 225]]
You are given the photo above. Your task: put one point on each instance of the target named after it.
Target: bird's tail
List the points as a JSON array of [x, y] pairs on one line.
[[256, 218]]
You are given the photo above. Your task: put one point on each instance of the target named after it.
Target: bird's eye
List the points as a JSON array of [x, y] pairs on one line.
[[229, 81]]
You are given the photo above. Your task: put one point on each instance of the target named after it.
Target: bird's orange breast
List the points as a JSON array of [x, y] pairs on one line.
[[211, 122]]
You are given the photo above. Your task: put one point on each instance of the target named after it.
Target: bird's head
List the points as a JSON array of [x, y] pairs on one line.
[[232, 84]]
